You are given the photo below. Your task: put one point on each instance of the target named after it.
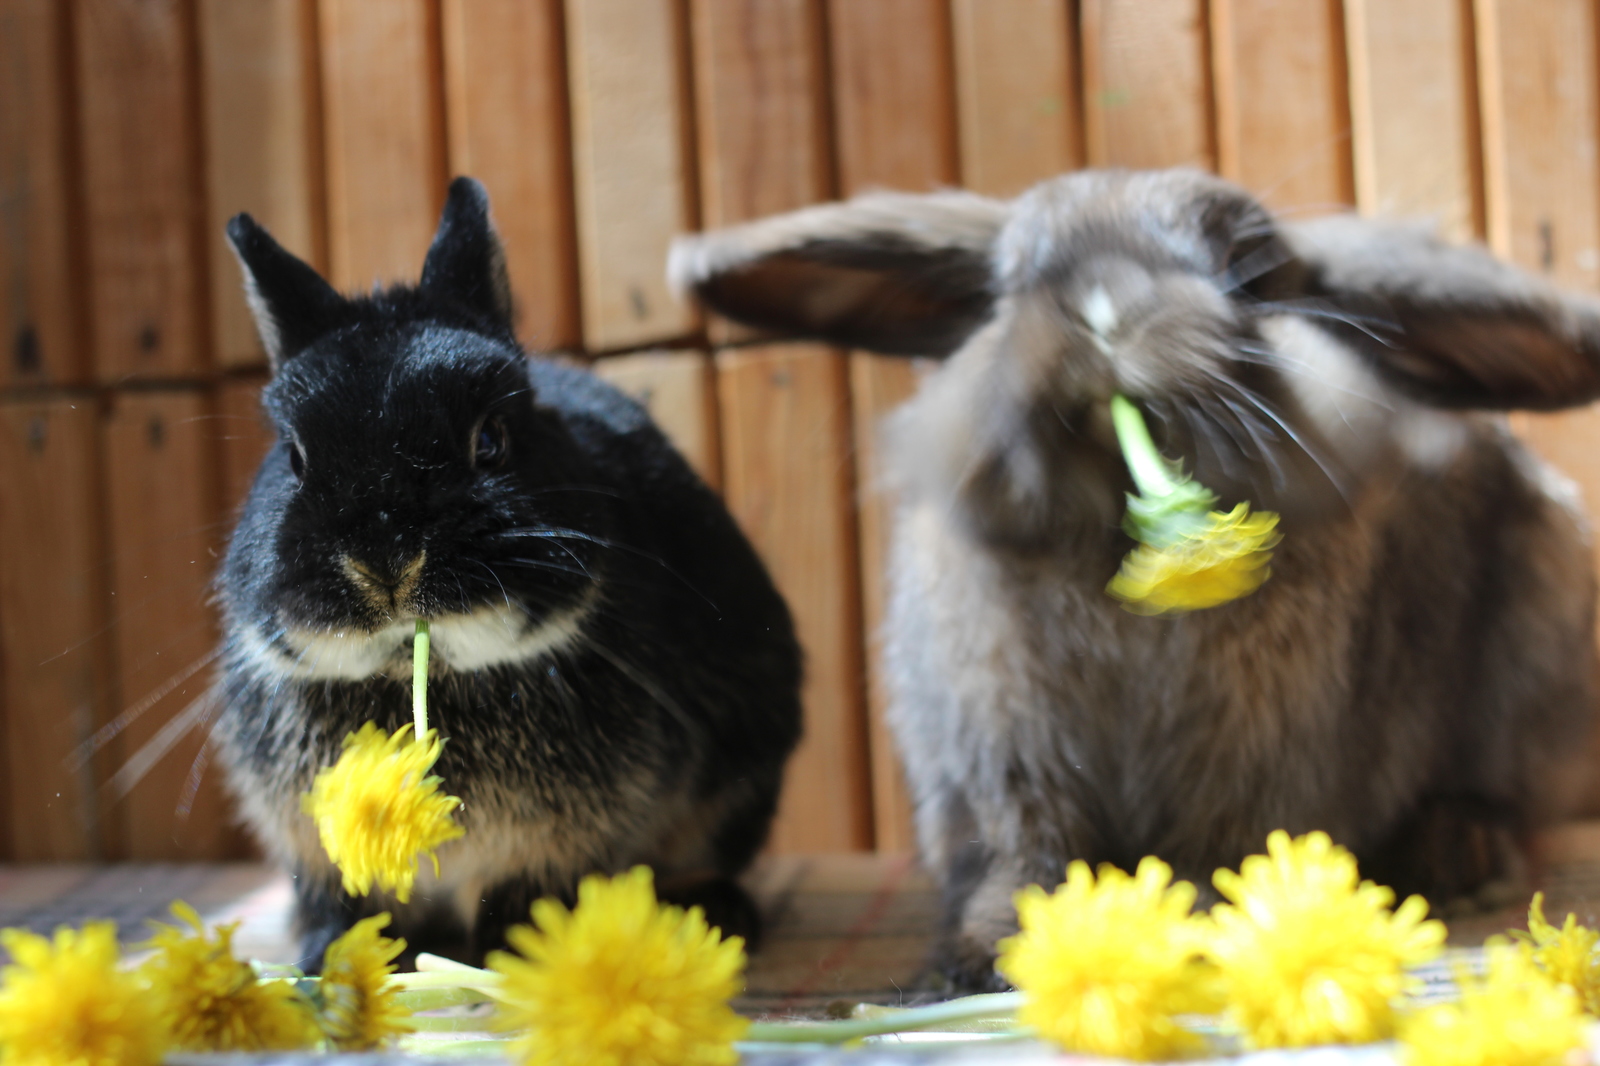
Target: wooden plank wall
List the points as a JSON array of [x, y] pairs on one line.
[[130, 130]]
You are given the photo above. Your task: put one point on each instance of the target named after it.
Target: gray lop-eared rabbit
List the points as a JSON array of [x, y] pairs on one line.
[[1417, 677]]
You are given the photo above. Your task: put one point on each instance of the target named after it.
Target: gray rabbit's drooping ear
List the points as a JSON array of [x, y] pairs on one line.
[[465, 263], [292, 304], [893, 272], [1452, 325]]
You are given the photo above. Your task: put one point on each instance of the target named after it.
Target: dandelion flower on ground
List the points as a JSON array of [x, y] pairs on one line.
[[359, 1011], [211, 1001], [1106, 964], [1224, 558], [621, 980], [64, 1001], [1308, 955], [377, 809], [1514, 1016], [1567, 954]]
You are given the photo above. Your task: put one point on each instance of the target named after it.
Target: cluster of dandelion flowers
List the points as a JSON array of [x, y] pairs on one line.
[[1309, 954], [621, 980], [1189, 557], [64, 1000], [1514, 1015], [212, 1001], [1107, 964], [1567, 954], [359, 1008]]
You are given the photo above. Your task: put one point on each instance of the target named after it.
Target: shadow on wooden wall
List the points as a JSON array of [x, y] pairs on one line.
[[131, 129]]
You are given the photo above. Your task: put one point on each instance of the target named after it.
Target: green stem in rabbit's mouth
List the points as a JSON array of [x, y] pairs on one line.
[[419, 679], [1189, 556]]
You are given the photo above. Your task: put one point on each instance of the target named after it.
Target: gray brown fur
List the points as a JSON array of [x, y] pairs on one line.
[[1418, 675]]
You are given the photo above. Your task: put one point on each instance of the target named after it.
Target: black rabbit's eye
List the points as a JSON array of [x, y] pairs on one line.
[[297, 460], [490, 445]]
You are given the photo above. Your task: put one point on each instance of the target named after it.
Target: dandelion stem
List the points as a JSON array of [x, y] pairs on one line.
[[419, 679], [1149, 469], [423, 998], [968, 1008]]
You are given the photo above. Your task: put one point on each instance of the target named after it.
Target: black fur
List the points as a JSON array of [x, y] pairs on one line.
[[654, 731]]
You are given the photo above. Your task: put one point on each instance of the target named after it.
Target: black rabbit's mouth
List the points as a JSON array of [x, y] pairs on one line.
[[464, 641]]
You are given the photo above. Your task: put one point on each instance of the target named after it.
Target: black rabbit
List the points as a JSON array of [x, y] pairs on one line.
[[615, 674], [1417, 677]]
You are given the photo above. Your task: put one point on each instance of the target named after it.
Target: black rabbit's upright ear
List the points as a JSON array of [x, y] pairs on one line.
[[1452, 325], [465, 263], [292, 305], [892, 272]]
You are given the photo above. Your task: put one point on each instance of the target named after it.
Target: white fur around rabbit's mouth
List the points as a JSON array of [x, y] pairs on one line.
[[488, 636]]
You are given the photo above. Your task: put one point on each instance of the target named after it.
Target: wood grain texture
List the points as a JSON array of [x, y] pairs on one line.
[[263, 147], [162, 509], [506, 100], [1420, 158], [383, 127], [41, 334], [1541, 135], [762, 107], [142, 189], [877, 386], [1147, 83], [53, 663], [1017, 92], [242, 435], [632, 165], [787, 478], [893, 97], [1283, 127], [679, 389]]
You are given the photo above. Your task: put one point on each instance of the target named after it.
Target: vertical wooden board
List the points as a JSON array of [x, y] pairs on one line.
[[383, 137], [1147, 83], [52, 621], [893, 94], [787, 478], [1541, 135], [506, 100], [263, 151], [631, 164], [761, 99], [161, 503], [895, 127], [679, 389], [144, 203], [877, 386], [41, 341], [240, 437], [1413, 112], [1017, 92], [1283, 127]]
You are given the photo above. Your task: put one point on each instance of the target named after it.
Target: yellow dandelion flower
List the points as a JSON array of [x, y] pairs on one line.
[[1222, 560], [64, 1001], [621, 980], [1189, 557], [359, 1010], [1567, 954], [1308, 955], [1514, 1016], [1106, 964], [377, 809], [211, 1001]]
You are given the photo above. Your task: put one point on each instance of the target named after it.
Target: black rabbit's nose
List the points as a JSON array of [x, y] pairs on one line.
[[386, 586]]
